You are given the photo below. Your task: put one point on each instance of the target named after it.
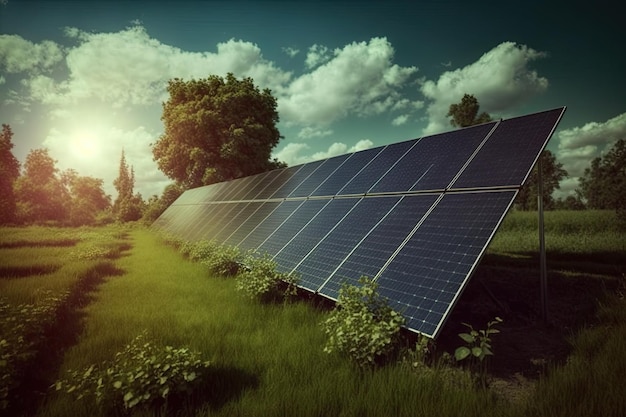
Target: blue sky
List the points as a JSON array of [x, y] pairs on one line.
[[86, 79]]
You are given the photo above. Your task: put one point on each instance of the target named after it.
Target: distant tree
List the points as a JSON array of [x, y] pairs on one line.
[[88, 199], [9, 172], [126, 207], [39, 191], [603, 184], [465, 113], [570, 202], [215, 130], [156, 206], [552, 174]]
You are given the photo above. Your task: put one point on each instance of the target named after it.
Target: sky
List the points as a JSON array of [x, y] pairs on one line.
[[88, 79]]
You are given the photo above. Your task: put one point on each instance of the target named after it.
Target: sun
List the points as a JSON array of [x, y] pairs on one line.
[[85, 145]]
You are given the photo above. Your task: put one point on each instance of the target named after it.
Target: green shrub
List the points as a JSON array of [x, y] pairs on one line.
[[224, 260], [22, 332], [362, 325], [260, 280], [141, 375]]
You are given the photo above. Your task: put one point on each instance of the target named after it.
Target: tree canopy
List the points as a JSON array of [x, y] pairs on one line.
[[465, 113], [9, 172], [216, 129], [603, 184]]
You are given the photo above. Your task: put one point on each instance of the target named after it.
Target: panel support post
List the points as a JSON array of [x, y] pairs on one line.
[[542, 244]]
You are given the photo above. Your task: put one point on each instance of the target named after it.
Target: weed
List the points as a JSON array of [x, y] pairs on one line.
[[362, 325], [141, 375], [477, 348]]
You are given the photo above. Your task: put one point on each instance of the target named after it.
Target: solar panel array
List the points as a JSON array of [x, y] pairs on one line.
[[416, 215]]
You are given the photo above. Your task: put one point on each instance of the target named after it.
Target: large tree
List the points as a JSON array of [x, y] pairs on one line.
[[603, 185], [40, 193], [465, 113], [9, 172], [216, 129]]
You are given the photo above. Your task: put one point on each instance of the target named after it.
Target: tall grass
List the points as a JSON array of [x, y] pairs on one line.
[[268, 360]]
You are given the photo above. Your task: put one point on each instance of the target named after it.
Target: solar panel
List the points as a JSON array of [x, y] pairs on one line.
[[381, 241], [511, 151], [312, 234], [416, 216], [320, 262], [337, 180], [430, 270], [269, 224], [383, 162]]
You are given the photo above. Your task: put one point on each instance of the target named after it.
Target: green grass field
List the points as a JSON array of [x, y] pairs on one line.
[[84, 294]]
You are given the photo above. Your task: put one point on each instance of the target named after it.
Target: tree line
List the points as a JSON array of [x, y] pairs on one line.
[[218, 129]]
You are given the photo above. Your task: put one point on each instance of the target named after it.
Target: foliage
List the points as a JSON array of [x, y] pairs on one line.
[[40, 193], [260, 280], [603, 185], [215, 130], [477, 348], [9, 172], [465, 113], [126, 207], [156, 206], [141, 375], [552, 174], [570, 202], [224, 260], [362, 325], [87, 195], [22, 330]]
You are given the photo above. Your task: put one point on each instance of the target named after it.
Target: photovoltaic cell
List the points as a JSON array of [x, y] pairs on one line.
[[318, 176], [263, 209], [320, 262], [510, 152], [431, 269], [346, 172], [248, 186], [434, 161], [291, 226], [272, 183], [370, 255], [269, 225], [383, 162], [295, 180], [312, 233], [239, 214]]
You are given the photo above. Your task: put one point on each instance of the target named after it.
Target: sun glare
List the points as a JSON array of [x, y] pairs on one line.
[[85, 145]]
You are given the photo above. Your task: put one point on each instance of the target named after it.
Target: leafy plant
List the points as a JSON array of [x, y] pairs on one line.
[[141, 375], [22, 332], [477, 348], [259, 279], [224, 260], [362, 325]]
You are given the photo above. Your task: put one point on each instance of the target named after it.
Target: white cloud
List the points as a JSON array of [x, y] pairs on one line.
[[20, 55], [318, 54], [360, 79], [311, 132], [400, 120], [131, 68], [291, 51], [2, 80], [501, 79], [578, 146], [293, 153], [594, 133]]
